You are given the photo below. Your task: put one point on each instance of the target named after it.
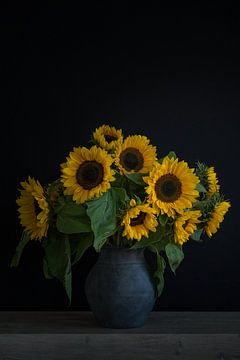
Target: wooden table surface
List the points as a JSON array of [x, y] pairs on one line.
[[75, 335]]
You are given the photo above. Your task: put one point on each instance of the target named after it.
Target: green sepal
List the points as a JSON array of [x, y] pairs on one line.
[[201, 188], [172, 154], [25, 238]]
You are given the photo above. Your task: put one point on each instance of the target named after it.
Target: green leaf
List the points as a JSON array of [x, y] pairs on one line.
[[197, 235], [154, 237], [25, 238], [79, 244], [57, 261], [158, 275], [118, 182], [46, 269], [137, 178], [72, 219], [103, 212], [201, 188], [175, 255]]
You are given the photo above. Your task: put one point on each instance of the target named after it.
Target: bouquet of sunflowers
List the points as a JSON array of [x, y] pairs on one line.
[[119, 193]]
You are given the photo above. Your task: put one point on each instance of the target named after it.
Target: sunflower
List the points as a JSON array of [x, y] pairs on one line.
[[135, 155], [185, 225], [213, 186], [138, 221], [87, 173], [108, 137], [217, 217], [33, 209], [171, 186]]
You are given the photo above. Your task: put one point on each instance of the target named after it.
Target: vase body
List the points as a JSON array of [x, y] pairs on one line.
[[120, 289]]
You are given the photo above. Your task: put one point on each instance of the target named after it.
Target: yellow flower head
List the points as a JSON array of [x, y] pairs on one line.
[[135, 155], [138, 221], [185, 225], [33, 209], [171, 186], [213, 186], [108, 137], [217, 217], [87, 173]]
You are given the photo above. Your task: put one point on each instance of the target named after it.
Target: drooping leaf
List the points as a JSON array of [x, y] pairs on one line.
[[159, 274], [197, 235], [46, 270], [57, 261], [79, 243], [25, 238], [103, 212], [72, 218], [175, 255]]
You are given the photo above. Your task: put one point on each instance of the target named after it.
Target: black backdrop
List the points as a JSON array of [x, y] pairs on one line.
[[172, 74]]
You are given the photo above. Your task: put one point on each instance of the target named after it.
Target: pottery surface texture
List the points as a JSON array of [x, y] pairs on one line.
[[120, 288]]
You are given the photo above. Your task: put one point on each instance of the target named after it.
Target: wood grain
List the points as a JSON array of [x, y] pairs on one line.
[[75, 335], [71, 322], [119, 346]]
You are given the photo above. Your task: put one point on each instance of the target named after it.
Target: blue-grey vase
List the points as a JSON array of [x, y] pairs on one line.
[[120, 288]]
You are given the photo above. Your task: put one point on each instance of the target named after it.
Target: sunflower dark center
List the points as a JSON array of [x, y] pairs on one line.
[[138, 219], [131, 159], [168, 188], [89, 174], [110, 138], [36, 207]]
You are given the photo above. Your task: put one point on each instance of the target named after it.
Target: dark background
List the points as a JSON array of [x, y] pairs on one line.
[[171, 73]]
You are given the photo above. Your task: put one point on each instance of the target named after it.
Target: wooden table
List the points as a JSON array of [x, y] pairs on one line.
[[75, 335]]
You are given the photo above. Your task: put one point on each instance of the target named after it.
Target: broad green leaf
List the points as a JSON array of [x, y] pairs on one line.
[[197, 235], [25, 238], [118, 182], [72, 219], [79, 244], [137, 178], [103, 212], [175, 255], [158, 275], [201, 188], [58, 259]]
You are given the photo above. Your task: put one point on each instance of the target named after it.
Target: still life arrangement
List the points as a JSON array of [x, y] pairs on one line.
[[120, 197]]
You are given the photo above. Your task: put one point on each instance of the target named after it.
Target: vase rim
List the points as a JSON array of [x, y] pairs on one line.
[[115, 247]]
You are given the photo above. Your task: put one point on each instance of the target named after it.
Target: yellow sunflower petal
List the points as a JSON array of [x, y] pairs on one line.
[[88, 174], [33, 209], [171, 186]]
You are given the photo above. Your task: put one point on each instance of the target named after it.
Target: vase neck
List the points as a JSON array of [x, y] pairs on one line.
[[116, 255]]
